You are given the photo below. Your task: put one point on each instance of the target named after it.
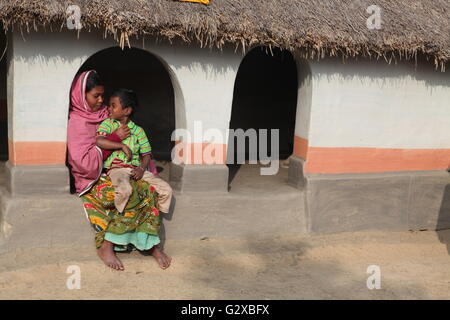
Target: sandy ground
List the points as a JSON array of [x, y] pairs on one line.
[[413, 265]]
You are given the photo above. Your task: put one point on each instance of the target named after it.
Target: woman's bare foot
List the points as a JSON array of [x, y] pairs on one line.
[[162, 259], [108, 256]]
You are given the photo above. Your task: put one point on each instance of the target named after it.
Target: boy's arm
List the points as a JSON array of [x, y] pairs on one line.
[[146, 149], [145, 160], [138, 173], [104, 143], [106, 138]]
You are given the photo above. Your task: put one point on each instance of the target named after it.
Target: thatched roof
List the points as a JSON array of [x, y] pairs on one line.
[[318, 27]]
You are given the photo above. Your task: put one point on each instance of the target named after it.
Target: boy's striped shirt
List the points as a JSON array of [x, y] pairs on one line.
[[137, 142]]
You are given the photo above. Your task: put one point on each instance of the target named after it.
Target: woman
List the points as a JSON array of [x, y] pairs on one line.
[[139, 225]]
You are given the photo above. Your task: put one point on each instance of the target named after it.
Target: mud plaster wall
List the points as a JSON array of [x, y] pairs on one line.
[[3, 110]]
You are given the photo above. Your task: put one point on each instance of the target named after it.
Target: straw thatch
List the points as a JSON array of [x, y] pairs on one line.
[[317, 27]]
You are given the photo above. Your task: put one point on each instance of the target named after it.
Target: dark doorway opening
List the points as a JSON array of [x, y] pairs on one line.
[[265, 97], [3, 98]]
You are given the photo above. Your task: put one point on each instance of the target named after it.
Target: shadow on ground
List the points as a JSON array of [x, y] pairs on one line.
[[279, 269]]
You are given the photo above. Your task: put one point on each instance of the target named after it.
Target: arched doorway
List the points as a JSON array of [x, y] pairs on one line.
[[265, 97], [143, 72], [3, 96]]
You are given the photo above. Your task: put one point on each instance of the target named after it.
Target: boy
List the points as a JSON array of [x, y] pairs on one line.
[[131, 156]]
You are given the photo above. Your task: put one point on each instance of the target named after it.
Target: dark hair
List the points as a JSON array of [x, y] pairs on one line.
[[127, 98], [93, 80]]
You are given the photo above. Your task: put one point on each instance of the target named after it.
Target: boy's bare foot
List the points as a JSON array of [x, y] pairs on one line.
[[162, 259], [108, 256]]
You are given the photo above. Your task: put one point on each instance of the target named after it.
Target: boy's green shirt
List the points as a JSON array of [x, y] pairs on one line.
[[137, 142]]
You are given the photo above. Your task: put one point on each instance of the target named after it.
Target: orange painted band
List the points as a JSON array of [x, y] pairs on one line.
[[37, 153], [300, 147], [361, 160], [319, 159]]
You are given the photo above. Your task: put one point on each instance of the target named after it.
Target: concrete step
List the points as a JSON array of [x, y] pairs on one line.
[[269, 207]]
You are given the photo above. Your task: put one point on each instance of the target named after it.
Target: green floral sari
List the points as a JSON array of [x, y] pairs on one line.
[[140, 215]]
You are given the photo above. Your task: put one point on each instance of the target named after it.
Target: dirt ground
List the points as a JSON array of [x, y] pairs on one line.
[[413, 265]]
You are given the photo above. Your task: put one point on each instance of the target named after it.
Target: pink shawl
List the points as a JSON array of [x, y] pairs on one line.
[[84, 156]]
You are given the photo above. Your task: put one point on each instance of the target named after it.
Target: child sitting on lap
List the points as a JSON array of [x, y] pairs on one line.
[[131, 156]]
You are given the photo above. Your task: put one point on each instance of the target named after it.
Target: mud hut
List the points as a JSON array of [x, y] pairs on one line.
[[359, 93]]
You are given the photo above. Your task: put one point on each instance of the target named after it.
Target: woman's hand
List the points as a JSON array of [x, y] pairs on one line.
[[123, 131], [137, 173], [127, 152]]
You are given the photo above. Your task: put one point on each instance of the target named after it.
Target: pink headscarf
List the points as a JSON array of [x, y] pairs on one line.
[[84, 156]]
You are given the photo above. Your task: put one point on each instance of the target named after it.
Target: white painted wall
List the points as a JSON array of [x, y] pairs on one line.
[[356, 104], [304, 98], [206, 80], [372, 104], [43, 66], [41, 72], [10, 86]]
